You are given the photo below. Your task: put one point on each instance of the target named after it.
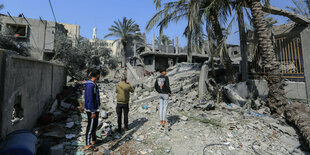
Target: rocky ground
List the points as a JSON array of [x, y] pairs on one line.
[[195, 127]]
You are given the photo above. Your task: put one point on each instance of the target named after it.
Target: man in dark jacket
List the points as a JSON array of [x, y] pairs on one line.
[[92, 104], [123, 90], [162, 86]]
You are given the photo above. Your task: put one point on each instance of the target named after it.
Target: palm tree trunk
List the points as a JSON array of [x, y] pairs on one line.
[[211, 51], [243, 44], [189, 48], [124, 55], [226, 59], [276, 96]]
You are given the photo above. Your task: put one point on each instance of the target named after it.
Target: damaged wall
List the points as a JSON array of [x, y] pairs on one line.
[[305, 36], [27, 86], [293, 90]]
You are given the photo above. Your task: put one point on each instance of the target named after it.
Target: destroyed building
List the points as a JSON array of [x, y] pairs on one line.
[[205, 116], [37, 35], [292, 51]]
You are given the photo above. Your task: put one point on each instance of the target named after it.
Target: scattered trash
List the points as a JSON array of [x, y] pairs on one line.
[[98, 134], [84, 115], [70, 136], [145, 107], [254, 114], [65, 105], [117, 137], [77, 143], [69, 124], [184, 118], [103, 114], [231, 148]]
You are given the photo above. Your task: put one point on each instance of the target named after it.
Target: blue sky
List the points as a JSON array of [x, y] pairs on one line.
[[102, 13]]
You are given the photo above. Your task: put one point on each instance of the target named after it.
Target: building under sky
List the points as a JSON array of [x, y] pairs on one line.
[[103, 13]]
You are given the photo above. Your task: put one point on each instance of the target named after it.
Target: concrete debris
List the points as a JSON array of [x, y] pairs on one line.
[[70, 136], [237, 94], [195, 126], [103, 114], [184, 118], [69, 124], [205, 106], [65, 105]]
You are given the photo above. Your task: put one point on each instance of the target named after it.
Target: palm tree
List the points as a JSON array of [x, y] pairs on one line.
[[302, 7], [163, 40], [197, 13], [243, 43], [216, 13], [173, 12], [276, 96], [125, 30]]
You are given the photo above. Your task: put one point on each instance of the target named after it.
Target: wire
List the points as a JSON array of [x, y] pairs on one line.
[[52, 10]]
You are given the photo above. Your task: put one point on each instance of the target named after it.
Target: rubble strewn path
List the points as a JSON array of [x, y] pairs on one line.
[[225, 130], [194, 127]]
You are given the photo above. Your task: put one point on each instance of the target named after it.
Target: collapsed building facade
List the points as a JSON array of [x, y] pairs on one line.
[[37, 35]]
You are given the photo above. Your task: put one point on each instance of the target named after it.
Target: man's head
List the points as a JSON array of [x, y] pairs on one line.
[[95, 75], [163, 71], [124, 78]]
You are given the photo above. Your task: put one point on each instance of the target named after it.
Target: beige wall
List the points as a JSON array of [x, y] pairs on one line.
[[73, 32], [110, 44]]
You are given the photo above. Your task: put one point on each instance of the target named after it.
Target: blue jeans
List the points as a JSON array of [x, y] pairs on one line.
[[163, 100]]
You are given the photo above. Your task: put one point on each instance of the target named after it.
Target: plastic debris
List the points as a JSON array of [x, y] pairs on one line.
[[70, 136], [69, 124]]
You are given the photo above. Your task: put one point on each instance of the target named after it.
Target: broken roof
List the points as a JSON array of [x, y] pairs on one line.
[[287, 29], [172, 54]]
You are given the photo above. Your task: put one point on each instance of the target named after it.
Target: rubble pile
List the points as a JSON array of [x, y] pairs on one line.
[[208, 126], [183, 79]]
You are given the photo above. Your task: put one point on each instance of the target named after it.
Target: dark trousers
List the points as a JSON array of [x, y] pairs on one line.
[[91, 128], [119, 110]]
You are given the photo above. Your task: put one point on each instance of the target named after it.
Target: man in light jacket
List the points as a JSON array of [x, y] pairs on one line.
[[123, 90]]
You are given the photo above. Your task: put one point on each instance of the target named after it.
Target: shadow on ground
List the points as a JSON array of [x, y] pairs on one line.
[[134, 126], [173, 119]]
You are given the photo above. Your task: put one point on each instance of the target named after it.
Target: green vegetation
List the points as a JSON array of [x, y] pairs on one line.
[[124, 30]]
